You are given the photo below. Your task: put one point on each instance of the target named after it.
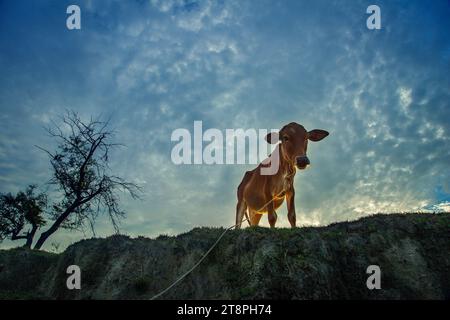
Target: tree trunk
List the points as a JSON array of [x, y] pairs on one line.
[[43, 238], [30, 236], [55, 226], [44, 235]]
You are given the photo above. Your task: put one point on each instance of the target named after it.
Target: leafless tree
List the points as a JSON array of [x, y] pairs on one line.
[[82, 176]]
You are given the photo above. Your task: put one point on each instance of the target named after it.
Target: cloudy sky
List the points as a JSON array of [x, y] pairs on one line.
[[155, 66]]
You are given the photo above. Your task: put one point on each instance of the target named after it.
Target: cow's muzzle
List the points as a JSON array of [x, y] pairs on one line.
[[302, 162]]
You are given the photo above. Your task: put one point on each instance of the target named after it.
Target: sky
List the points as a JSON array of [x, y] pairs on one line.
[[156, 66]]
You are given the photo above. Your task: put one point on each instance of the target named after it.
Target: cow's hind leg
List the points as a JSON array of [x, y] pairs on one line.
[[272, 219]]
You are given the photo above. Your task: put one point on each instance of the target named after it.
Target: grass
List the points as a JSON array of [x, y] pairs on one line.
[[251, 263]]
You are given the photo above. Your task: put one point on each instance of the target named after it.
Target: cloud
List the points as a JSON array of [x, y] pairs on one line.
[[155, 66]]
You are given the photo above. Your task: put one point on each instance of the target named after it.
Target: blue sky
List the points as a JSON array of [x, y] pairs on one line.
[[155, 66]]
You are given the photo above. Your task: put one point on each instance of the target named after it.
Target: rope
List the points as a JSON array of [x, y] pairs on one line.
[[184, 275], [195, 265]]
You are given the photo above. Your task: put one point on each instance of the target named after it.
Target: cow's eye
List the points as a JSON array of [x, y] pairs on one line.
[[285, 138]]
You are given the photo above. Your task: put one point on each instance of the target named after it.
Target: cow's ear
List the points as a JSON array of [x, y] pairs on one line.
[[272, 137], [317, 134]]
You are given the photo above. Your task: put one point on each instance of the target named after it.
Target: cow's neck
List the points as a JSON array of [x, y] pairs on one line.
[[287, 169]]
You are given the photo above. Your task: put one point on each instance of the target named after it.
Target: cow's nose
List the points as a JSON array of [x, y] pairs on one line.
[[302, 161]]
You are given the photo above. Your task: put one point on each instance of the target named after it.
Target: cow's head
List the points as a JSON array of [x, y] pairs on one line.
[[294, 142]]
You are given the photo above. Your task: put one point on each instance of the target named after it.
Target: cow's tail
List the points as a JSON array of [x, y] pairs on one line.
[[241, 211], [246, 216], [240, 195]]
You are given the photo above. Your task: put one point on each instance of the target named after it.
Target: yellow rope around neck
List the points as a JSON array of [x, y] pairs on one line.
[[292, 172]]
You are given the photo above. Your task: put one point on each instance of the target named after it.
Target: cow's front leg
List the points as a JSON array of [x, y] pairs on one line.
[[272, 215], [254, 217], [290, 200]]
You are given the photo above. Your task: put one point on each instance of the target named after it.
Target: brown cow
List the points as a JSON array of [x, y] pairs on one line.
[[265, 193]]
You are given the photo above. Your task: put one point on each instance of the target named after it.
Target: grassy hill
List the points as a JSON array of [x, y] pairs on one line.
[[412, 250]]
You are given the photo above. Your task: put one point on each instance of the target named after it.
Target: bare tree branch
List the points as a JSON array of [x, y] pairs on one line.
[[81, 172]]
